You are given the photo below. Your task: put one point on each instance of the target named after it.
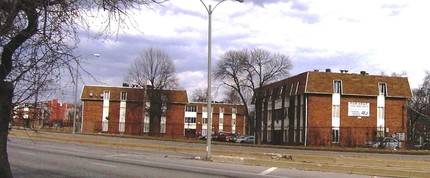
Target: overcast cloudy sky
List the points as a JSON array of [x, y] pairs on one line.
[[368, 35]]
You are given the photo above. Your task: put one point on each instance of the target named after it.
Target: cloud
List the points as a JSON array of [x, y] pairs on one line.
[[375, 36]]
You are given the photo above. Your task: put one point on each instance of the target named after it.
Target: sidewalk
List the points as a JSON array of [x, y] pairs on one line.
[[364, 165]]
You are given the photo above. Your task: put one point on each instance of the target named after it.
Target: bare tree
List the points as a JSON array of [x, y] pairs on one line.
[[246, 72], [37, 30], [200, 95], [232, 96], [419, 109], [154, 66]]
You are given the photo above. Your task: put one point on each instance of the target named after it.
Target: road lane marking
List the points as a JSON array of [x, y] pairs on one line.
[[106, 165], [119, 155], [268, 171], [193, 167], [28, 153]]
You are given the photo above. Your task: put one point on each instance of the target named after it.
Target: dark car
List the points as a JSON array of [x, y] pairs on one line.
[[205, 137], [425, 146], [223, 136], [232, 137]]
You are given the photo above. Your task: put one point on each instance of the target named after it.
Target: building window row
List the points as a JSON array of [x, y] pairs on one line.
[[277, 93], [191, 109], [106, 95], [205, 109], [190, 120], [337, 88]]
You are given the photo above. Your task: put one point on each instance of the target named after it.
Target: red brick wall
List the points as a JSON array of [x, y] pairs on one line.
[[319, 120], [354, 131], [240, 124], [134, 118], [92, 116], [93, 111], [175, 120]]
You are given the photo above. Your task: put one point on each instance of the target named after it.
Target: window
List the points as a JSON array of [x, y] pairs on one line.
[[270, 94], [280, 92], [190, 109], [122, 111], [337, 86], [291, 89], [221, 110], [335, 135], [205, 109], [335, 111], [382, 87], [163, 125], [380, 112], [283, 90], [380, 131], [204, 120], [190, 120], [146, 123], [234, 110], [123, 96], [106, 95]]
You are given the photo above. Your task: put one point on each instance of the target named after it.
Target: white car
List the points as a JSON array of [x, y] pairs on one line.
[[390, 143], [245, 139]]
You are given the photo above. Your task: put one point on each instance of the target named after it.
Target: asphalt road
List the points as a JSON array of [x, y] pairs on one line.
[[44, 158]]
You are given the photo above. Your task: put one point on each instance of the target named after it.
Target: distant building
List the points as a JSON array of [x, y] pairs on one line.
[[123, 110], [58, 111], [225, 118], [327, 108], [30, 115]]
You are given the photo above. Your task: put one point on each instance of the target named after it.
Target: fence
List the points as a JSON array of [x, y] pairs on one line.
[[330, 136], [311, 136]]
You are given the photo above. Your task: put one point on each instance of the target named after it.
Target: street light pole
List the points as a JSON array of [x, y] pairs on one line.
[[76, 95], [209, 109]]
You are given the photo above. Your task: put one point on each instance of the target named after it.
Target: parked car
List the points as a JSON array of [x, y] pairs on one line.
[[234, 137], [224, 136], [245, 139], [374, 143], [424, 146], [205, 137], [390, 143]]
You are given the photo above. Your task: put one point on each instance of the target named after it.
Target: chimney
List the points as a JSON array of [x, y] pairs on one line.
[[327, 70], [363, 72], [316, 70], [125, 85]]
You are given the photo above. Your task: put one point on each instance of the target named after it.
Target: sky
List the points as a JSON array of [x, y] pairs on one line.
[[376, 36]]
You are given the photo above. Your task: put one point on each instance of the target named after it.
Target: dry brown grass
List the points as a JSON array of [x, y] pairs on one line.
[[345, 164]]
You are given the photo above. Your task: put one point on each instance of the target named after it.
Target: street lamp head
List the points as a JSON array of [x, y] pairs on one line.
[[97, 55]]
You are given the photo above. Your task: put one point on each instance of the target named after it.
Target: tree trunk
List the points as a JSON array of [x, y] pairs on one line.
[[6, 93], [258, 115], [155, 112]]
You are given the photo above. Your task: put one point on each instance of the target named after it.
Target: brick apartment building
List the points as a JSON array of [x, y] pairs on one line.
[[58, 111], [122, 110], [30, 115], [328, 108], [225, 118]]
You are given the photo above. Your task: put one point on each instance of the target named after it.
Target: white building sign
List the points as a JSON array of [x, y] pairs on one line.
[[358, 109]]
